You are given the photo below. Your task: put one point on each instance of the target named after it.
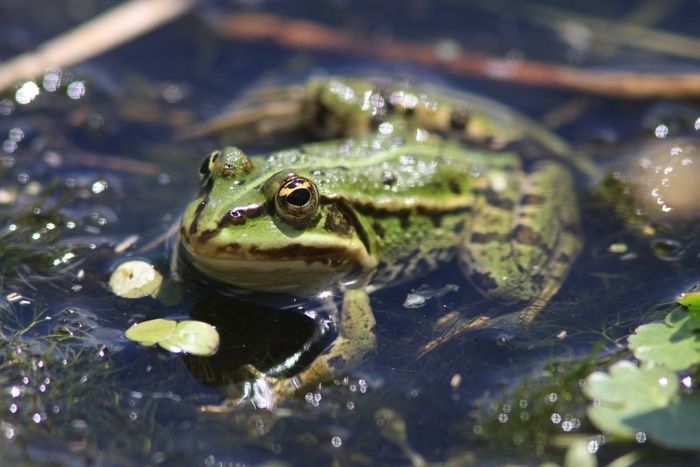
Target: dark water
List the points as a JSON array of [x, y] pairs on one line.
[[107, 165]]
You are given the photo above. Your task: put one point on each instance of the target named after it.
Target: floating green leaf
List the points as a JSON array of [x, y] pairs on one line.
[[628, 392], [151, 332], [631, 400], [578, 455], [135, 279], [672, 343], [691, 301], [189, 336]]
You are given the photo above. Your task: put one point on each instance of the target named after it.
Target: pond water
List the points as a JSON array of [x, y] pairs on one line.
[[91, 162]]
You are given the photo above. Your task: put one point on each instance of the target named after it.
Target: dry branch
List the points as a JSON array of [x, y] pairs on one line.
[[308, 35], [102, 33]]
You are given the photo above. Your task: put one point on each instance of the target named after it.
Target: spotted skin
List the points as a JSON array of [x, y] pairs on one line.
[[404, 180]]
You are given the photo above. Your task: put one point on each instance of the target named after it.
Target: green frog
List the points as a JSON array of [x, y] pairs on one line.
[[399, 181]]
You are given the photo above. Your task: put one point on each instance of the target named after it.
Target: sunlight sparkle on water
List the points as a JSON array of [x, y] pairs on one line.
[[27, 92], [592, 446], [52, 79], [661, 131], [8, 431], [6, 107], [76, 90]]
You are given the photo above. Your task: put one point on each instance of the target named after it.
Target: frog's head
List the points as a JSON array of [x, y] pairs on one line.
[[271, 230]]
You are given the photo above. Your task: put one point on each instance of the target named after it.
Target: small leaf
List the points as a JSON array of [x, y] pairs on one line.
[[578, 455], [675, 426], [151, 332], [631, 400], [672, 343], [690, 300], [189, 336], [135, 279], [627, 392], [196, 338]]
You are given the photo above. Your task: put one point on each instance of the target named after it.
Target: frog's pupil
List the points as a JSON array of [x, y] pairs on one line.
[[299, 197]]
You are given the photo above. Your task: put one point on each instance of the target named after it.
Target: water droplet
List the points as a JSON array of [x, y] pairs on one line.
[[6, 107], [640, 437], [386, 128], [52, 79], [76, 90], [99, 186], [555, 418], [27, 92], [8, 431], [336, 441], [15, 134], [661, 131], [9, 146], [697, 124]]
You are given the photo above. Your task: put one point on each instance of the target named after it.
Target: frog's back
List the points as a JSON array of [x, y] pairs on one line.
[[413, 198]]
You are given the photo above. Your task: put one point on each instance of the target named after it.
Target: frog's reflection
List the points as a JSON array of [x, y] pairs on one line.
[[256, 339]]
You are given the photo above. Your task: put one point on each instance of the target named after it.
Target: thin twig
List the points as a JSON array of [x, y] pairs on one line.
[[102, 33], [309, 35]]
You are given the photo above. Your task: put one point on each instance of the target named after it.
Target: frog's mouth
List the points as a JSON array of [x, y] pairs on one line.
[[295, 268]]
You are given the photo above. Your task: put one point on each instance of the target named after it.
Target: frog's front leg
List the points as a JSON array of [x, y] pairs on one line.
[[355, 339]]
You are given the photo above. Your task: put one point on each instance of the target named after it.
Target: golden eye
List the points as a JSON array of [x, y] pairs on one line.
[[296, 201], [205, 169]]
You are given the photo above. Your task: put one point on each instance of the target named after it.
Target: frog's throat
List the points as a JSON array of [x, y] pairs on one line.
[[294, 268]]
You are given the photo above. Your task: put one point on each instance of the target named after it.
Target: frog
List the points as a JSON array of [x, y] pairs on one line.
[[396, 180]]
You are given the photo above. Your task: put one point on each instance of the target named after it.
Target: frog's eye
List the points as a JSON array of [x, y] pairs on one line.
[[296, 201], [205, 169]]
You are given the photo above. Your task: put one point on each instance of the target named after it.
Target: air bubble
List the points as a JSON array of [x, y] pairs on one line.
[[661, 131]]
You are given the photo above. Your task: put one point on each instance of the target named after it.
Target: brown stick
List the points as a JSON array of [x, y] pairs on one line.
[[104, 32], [313, 36]]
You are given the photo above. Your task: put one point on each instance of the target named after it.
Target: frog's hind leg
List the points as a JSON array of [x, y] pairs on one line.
[[527, 241], [525, 253], [355, 339], [553, 274]]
